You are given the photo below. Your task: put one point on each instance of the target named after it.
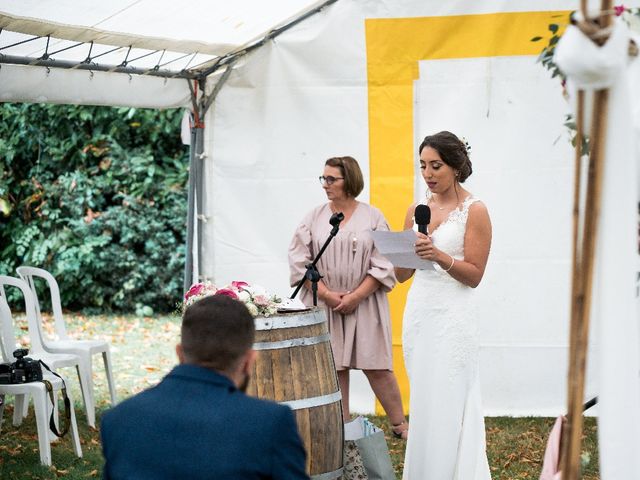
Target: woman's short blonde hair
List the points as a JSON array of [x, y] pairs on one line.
[[353, 179]]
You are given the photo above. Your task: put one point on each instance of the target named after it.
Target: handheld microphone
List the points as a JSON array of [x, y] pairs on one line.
[[422, 216]]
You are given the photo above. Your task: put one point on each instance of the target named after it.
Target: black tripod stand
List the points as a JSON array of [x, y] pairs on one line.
[[312, 273]]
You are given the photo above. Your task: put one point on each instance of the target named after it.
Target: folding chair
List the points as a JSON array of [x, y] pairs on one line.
[[37, 390]]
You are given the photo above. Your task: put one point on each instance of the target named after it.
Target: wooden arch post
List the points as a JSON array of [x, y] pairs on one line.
[[584, 244]]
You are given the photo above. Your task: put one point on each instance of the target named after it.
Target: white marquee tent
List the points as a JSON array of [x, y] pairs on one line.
[[291, 83]]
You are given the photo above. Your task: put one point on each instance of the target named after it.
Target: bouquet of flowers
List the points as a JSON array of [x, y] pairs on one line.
[[257, 300]]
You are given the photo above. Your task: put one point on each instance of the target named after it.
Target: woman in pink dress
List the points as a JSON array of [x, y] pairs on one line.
[[354, 285]]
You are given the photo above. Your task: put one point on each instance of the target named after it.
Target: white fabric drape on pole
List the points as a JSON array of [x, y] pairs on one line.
[[615, 314]]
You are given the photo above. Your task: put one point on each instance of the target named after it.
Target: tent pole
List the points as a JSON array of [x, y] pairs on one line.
[[199, 194], [188, 264], [197, 156], [92, 66], [196, 188]]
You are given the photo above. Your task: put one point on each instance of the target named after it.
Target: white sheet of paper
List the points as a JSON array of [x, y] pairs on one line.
[[398, 248]]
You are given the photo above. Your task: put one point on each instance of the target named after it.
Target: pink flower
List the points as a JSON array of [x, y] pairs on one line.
[[195, 289], [227, 292], [619, 9], [238, 284], [261, 300]]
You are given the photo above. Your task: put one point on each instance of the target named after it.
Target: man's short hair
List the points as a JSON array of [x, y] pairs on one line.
[[216, 331]]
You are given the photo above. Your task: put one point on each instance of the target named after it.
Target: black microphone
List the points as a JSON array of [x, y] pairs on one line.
[[337, 217], [335, 220], [422, 216]]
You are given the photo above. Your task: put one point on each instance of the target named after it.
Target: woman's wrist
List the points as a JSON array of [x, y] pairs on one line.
[[355, 295], [446, 261], [453, 261]]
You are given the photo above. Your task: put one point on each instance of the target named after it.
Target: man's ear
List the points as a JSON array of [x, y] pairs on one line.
[[180, 353], [249, 360]]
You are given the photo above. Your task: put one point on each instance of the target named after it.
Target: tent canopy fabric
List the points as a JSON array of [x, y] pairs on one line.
[[204, 31], [109, 53]]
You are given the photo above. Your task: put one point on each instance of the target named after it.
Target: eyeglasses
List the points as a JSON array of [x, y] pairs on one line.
[[328, 180]]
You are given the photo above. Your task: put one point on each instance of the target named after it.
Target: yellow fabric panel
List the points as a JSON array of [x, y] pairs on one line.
[[394, 48]]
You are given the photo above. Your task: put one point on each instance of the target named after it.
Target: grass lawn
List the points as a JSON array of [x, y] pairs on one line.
[[142, 351]]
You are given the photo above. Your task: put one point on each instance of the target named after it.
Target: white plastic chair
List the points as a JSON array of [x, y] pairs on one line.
[[37, 390], [85, 349], [54, 360]]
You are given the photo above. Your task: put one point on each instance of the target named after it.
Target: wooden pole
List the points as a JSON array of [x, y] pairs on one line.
[[576, 274], [581, 302], [582, 277]]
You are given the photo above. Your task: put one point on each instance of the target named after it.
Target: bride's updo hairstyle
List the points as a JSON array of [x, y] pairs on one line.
[[453, 151]]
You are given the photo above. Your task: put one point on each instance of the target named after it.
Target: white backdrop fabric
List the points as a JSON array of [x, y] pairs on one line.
[[303, 98], [522, 161]]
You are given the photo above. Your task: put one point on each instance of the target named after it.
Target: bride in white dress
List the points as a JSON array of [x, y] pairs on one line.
[[440, 339]]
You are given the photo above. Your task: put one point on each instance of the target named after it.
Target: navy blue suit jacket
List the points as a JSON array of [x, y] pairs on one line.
[[195, 424]]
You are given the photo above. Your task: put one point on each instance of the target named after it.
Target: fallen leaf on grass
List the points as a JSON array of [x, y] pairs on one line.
[[510, 458], [93, 473], [15, 451]]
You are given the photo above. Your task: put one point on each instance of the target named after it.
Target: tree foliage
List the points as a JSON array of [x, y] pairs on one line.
[[97, 196]]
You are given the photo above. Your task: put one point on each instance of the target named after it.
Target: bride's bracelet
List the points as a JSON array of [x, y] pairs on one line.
[[453, 260]]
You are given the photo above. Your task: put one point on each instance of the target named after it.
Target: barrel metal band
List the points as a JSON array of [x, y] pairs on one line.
[[329, 475], [313, 401], [293, 342], [289, 321]]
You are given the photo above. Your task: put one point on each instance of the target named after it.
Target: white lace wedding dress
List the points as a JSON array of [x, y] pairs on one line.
[[440, 342]]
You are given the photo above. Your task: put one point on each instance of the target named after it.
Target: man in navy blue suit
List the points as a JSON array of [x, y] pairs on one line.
[[197, 423]]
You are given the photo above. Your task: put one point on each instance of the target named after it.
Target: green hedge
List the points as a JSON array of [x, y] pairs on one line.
[[97, 196]]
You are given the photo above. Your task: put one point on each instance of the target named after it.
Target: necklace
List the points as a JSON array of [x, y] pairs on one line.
[[433, 204]]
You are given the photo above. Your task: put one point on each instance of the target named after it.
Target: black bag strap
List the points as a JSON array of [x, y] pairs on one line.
[[67, 403]]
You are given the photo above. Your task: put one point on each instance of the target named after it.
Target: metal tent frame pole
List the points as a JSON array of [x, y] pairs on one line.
[[197, 187], [193, 257], [194, 205]]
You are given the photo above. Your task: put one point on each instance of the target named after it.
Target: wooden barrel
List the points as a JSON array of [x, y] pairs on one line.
[[295, 368]]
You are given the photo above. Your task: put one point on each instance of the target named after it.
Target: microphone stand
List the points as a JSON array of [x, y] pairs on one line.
[[312, 273]]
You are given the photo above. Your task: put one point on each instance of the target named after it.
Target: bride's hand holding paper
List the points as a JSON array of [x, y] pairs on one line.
[[400, 248], [424, 247]]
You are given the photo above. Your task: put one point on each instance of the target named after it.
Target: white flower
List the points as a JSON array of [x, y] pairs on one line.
[[244, 296], [253, 310]]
